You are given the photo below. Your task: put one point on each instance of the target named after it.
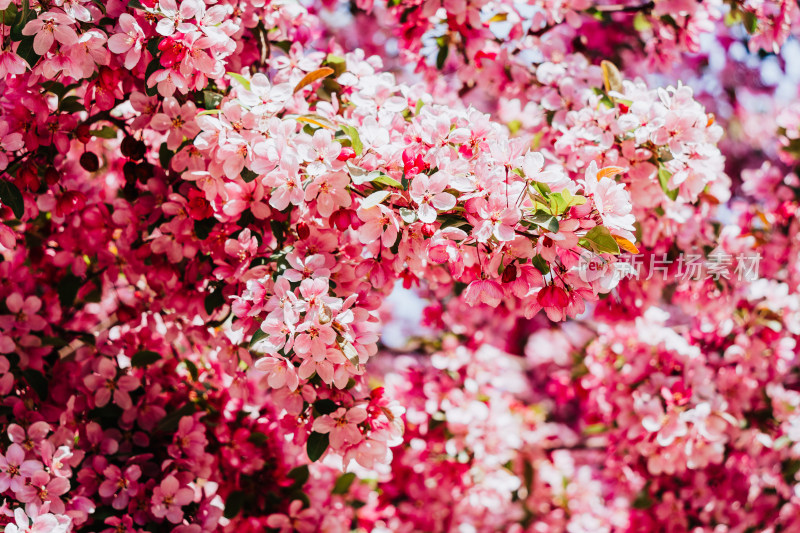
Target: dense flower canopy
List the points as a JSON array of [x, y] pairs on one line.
[[579, 216]]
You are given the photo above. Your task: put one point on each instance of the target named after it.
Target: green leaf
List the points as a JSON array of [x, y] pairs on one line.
[[643, 500], [58, 342], [750, 22], [337, 63], [54, 87], [594, 429], [558, 204], [164, 156], [546, 221], [441, 57], [211, 99], [135, 4], [541, 188], [388, 181], [37, 382], [192, 368], [144, 358], [316, 445], [325, 406], [248, 175], [241, 79], [100, 5], [68, 289], [152, 46], [25, 51], [355, 140], [11, 196], [299, 475], [170, 422], [214, 301], [342, 484], [257, 438], [279, 231], [24, 16], [257, 336], [790, 467], [9, 14], [202, 228], [541, 264], [71, 104], [663, 178], [106, 132], [600, 240], [152, 67], [234, 504]]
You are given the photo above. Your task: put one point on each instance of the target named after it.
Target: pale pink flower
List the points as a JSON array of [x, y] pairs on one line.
[[428, 193], [42, 489], [320, 153], [15, 470], [483, 290], [49, 27], [37, 523], [314, 337], [30, 438], [129, 42], [380, 222], [168, 498], [11, 64], [330, 190], [342, 426], [104, 383], [298, 519], [312, 267], [281, 372], [288, 189], [496, 218], [178, 120], [612, 202], [24, 313], [121, 485]]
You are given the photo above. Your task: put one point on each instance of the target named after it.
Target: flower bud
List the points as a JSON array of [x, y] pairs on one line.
[[510, 273], [303, 231], [133, 148], [28, 177], [51, 176], [83, 133], [346, 153], [129, 171], [90, 162], [340, 218], [144, 171]]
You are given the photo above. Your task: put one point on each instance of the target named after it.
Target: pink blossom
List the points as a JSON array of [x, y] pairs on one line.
[[484, 291], [49, 27], [129, 41], [281, 373], [42, 489], [15, 470], [106, 385], [178, 120], [168, 498], [120, 485], [297, 519], [329, 191], [428, 193], [342, 426]]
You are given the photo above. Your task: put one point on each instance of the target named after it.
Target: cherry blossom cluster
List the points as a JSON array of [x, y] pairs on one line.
[[208, 209]]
